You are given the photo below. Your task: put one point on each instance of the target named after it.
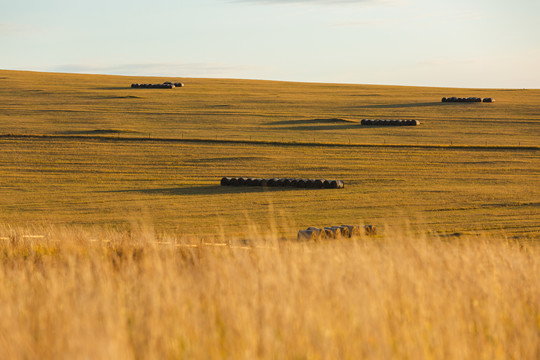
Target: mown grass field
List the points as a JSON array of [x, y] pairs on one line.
[[118, 242], [112, 155]]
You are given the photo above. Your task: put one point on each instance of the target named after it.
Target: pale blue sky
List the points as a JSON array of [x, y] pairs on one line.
[[479, 43]]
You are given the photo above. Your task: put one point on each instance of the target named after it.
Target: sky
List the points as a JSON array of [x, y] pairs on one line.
[[458, 43]]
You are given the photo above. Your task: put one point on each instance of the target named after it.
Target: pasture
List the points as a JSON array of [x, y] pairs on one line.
[[118, 241], [88, 150]]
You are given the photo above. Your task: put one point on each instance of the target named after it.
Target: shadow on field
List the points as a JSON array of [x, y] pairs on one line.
[[97, 132], [396, 106], [316, 124], [206, 190], [323, 127], [115, 88], [311, 121]]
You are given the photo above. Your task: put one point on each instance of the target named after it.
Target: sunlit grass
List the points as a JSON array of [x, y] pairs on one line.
[[131, 294]]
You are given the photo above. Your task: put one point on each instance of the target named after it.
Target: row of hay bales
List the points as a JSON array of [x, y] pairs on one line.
[[468, 100], [382, 122], [335, 232], [165, 85], [283, 182]]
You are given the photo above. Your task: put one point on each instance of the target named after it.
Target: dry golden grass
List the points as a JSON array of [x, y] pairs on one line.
[[120, 295]]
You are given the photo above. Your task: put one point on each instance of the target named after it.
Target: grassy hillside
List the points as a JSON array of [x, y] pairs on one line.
[[467, 168]]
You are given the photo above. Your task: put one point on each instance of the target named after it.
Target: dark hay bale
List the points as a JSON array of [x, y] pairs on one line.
[[234, 181], [337, 231], [393, 122], [226, 181], [287, 182], [344, 231], [178, 84], [301, 183], [319, 183], [242, 181], [488, 100], [370, 229], [281, 182], [257, 182], [306, 235], [167, 83], [363, 122], [250, 182], [452, 99], [319, 233], [272, 182], [332, 232], [478, 99], [310, 183], [332, 184]]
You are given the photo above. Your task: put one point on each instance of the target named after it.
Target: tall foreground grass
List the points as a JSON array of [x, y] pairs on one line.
[[122, 295]]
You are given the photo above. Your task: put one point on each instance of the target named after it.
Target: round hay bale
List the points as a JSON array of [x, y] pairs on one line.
[[327, 184], [443, 99], [337, 231], [319, 233], [345, 231], [226, 181], [355, 231], [178, 84], [363, 122], [319, 183], [306, 235], [310, 183], [332, 184], [332, 233], [242, 181], [453, 99], [287, 182], [257, 182], [272, 182], [281, 182], [250, 182], [393, 122], [301, 183], [488, 100], [370, 229], [340, 184], [233, 181]]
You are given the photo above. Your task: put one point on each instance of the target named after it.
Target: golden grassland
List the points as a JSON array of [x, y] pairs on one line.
[[80, 293], [87, 149], [116, 240]]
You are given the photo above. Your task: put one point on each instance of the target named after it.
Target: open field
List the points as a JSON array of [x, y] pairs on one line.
[[88, 150], [117, 241]]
